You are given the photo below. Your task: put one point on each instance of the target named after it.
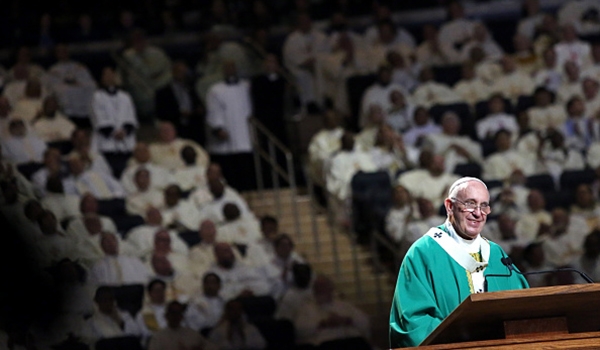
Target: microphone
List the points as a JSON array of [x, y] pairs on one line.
[[505, 261], [508, 263]]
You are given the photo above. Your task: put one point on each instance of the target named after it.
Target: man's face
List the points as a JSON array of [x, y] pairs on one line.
[[157, 293], [109, 244], [142, 180], [224, 255], [211, 286], [468, 224], [208, 232]]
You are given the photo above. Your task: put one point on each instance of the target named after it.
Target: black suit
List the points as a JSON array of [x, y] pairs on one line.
[[268, 103], [167, 109]]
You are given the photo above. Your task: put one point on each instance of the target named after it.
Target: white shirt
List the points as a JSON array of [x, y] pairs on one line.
[[492, 123], [101, 326], [100, 185], [430, 93], [159, 177], [138, 203], [167, 155], [141, 240], [240, 278], [64, 206], [57, 128], [244, 230], [228, 107], [21, 150], [378, 94], [344, 165], [190, 177], [214, 209], [421, 183], [113, 110], [119, 270], [75, 98]]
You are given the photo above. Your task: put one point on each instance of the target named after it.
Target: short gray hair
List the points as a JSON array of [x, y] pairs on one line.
[[461, 183]]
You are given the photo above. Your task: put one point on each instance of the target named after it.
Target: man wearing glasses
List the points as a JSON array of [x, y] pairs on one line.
[[447, 264]]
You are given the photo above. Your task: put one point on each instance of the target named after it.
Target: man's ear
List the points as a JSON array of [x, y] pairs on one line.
[[449, 204]]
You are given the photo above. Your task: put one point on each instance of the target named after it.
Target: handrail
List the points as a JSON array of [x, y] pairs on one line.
[[257, 132]]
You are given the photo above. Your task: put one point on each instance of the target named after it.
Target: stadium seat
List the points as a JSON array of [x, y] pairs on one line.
[[468, 169], [129, 297], [279, 334], [543, 182], [569, 180], [258, 308]]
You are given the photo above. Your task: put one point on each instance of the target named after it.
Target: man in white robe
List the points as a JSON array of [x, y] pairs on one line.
[[327, 318], [116, 269], [73, 84], [141, 238], [179, 213], [159, 176], [114, 122], [145, 197], [571, 48], [22, 146], [456, 32], [165, 152], [101, 185], [108, 321], [323, 145], [300, 51], [238, 279], [228, 108], [429, 92], [513, 83], [379, 92], [456, 149], [221, 195], [431, 181], [50, 124]]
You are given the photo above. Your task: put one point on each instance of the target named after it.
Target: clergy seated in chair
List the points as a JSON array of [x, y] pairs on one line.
[[154, 308], [202, 255], [221, 195], [160, 176], [144, 197], [177, 336], [52, 165], [140, 239], [165, 152], [284, 261], [239, 279], [116, 269], [81, 141], [178, 213], [108, 321], [298, 295], [457, 149], [64, 206], [192, 175], [207, 304], [22, 147], [50, 124], [53, 244], [235, 332], [326, 318], [238, 229], [101, 185], [181, 283]]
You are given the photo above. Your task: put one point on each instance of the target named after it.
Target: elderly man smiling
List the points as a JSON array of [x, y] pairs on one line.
[[447, 264]]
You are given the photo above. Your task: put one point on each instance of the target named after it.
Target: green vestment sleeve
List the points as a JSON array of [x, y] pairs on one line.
[[431, 285]]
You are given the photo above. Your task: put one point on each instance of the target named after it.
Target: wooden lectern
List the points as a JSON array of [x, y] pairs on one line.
[[563, 317]]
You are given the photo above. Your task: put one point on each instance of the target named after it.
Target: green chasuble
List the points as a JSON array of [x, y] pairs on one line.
[[431, 284]]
